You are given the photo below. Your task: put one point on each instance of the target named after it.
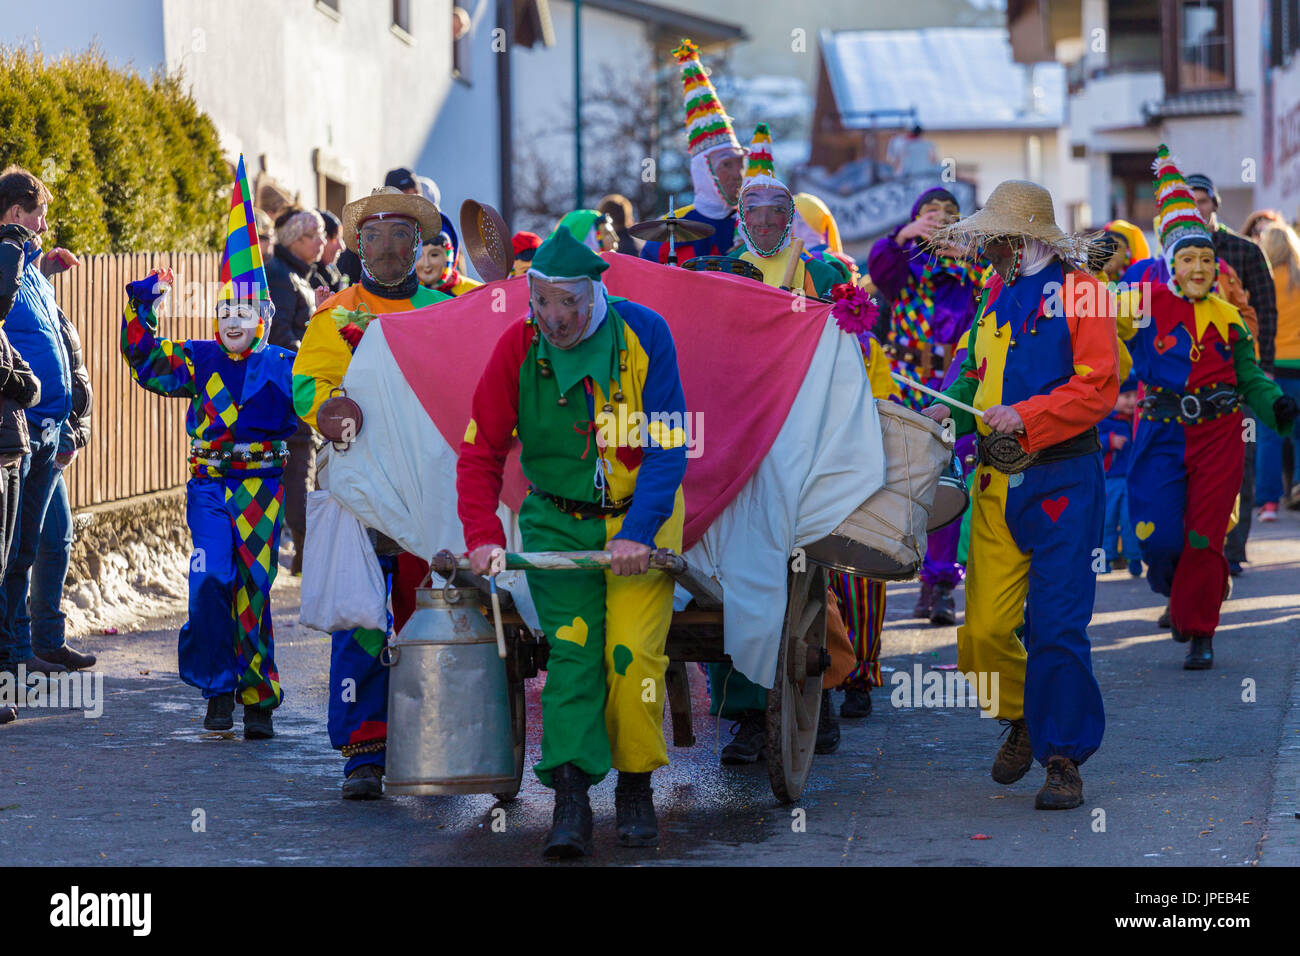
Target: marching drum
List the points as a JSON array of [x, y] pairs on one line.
[[885, 537], [950, 498], [736, 267]]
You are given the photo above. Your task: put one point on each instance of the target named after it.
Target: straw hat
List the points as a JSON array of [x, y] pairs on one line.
[[1015, 208], [391, 201]]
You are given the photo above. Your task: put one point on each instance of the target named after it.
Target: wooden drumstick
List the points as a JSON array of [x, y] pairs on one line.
[[796, 253], [939, 395]]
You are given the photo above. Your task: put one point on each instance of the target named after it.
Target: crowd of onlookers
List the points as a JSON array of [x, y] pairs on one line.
[[45, 404]]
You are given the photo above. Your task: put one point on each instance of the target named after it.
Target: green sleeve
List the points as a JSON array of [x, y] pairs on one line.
[[1256, 389], [967, 383]]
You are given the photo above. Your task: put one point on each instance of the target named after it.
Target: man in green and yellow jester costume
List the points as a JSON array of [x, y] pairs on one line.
[[564, 379], [240, 419]]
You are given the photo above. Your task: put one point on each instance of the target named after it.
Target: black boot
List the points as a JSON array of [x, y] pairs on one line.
[[924, 601], [570, 834], [1164, 619], [1200, 656], [944, 612], [828, 729], [747, 744], [8, 714], [72, 660], [221, 712], [364, 783], [257, 723], [634, 810], [857, 703]]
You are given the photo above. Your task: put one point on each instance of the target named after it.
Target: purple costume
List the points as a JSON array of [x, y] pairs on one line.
[[931, 300]]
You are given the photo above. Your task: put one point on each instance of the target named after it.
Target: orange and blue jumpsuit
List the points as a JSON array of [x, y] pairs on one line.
[[1033, 534], [358, 711], [1184, 477], [597, 471], [240, 420]]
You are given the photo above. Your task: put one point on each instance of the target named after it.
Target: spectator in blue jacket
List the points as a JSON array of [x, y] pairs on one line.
[[1116, 442], [34, 329]]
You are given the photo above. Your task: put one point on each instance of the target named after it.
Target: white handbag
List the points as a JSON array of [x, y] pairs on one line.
[[342, 585]]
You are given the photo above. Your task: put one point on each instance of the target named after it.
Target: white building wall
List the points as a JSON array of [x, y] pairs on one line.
[[299, 79]]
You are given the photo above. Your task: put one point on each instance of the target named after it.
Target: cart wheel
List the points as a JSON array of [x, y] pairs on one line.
[[519, 718], [794, 702]]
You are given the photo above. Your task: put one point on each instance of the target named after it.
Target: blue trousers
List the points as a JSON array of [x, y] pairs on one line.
[[1118, 528], [1268, 452], [358, 691], [53, 552], [38, 479]]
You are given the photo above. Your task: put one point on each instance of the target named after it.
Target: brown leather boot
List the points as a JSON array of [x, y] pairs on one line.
[[1016, 755], [1063, 789]]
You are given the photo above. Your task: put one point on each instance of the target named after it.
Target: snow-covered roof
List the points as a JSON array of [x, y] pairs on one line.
[[955, 78]]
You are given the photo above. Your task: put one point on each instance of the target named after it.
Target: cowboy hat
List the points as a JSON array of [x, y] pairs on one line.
[[1015, 208], [389, 201]]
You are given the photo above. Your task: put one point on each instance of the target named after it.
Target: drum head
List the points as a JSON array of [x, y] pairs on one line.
[[950, 502], [841, 553], [735, 267]]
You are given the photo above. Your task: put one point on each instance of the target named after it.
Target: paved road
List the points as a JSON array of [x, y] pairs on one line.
[[1189, 772]]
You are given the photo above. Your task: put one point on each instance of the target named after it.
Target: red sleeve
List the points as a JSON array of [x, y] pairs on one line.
[[488, 439], [1090, 394]]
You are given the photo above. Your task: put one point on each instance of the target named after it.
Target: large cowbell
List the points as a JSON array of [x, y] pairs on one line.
[[449, 725]]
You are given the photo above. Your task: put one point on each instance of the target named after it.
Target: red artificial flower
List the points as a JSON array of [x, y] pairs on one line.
[[352, 334]]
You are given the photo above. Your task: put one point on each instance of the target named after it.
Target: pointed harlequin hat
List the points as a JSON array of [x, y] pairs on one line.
[[707, 125], [562, 257], [759, 168], [242, 274], [1178, 222], [581, 223]]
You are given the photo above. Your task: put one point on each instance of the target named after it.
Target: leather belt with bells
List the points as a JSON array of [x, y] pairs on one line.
[[1203, 404], [1003, 452]]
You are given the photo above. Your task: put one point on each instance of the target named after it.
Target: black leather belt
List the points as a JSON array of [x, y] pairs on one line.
[[584, 509], [1203, 404], [991, 450]]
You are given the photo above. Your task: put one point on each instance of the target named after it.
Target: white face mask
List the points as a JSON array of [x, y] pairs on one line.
[[236, 325]]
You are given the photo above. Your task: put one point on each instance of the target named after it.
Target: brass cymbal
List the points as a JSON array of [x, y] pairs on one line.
[[682, 230]]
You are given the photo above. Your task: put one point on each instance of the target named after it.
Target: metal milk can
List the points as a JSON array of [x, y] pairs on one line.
[[449, 723]]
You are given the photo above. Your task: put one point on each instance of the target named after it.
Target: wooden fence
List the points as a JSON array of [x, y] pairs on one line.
[[138, 443]]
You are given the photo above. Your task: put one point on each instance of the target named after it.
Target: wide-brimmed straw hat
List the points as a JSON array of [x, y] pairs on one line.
[[392, 201], [1015, 208]]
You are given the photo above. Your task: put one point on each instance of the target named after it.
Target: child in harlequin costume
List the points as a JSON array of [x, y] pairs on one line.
[[240, 420], [931, 297], [1116, 432], [562, 380], [1196, 360], [436, 267], [1041, 367], [717, 165], [766, 224], [385, 230]]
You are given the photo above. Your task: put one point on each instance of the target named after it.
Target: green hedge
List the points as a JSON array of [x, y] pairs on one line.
[[133, 164]]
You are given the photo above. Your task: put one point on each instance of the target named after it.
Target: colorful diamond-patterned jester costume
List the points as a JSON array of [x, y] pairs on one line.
[[932, 304], [1195, 358], [590, 485], [240, 418]]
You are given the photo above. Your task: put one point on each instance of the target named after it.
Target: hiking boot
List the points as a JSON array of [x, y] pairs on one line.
[[570, 834], [1200, 656], [747, 744], [1163, 620], [944, 612], [221, 713], [634, 810], [72, 660], [828, 731], [924, 601], [1063, 789], [364, 783], [857, 703], [257, 723], [36, 665], [1016, 755]]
